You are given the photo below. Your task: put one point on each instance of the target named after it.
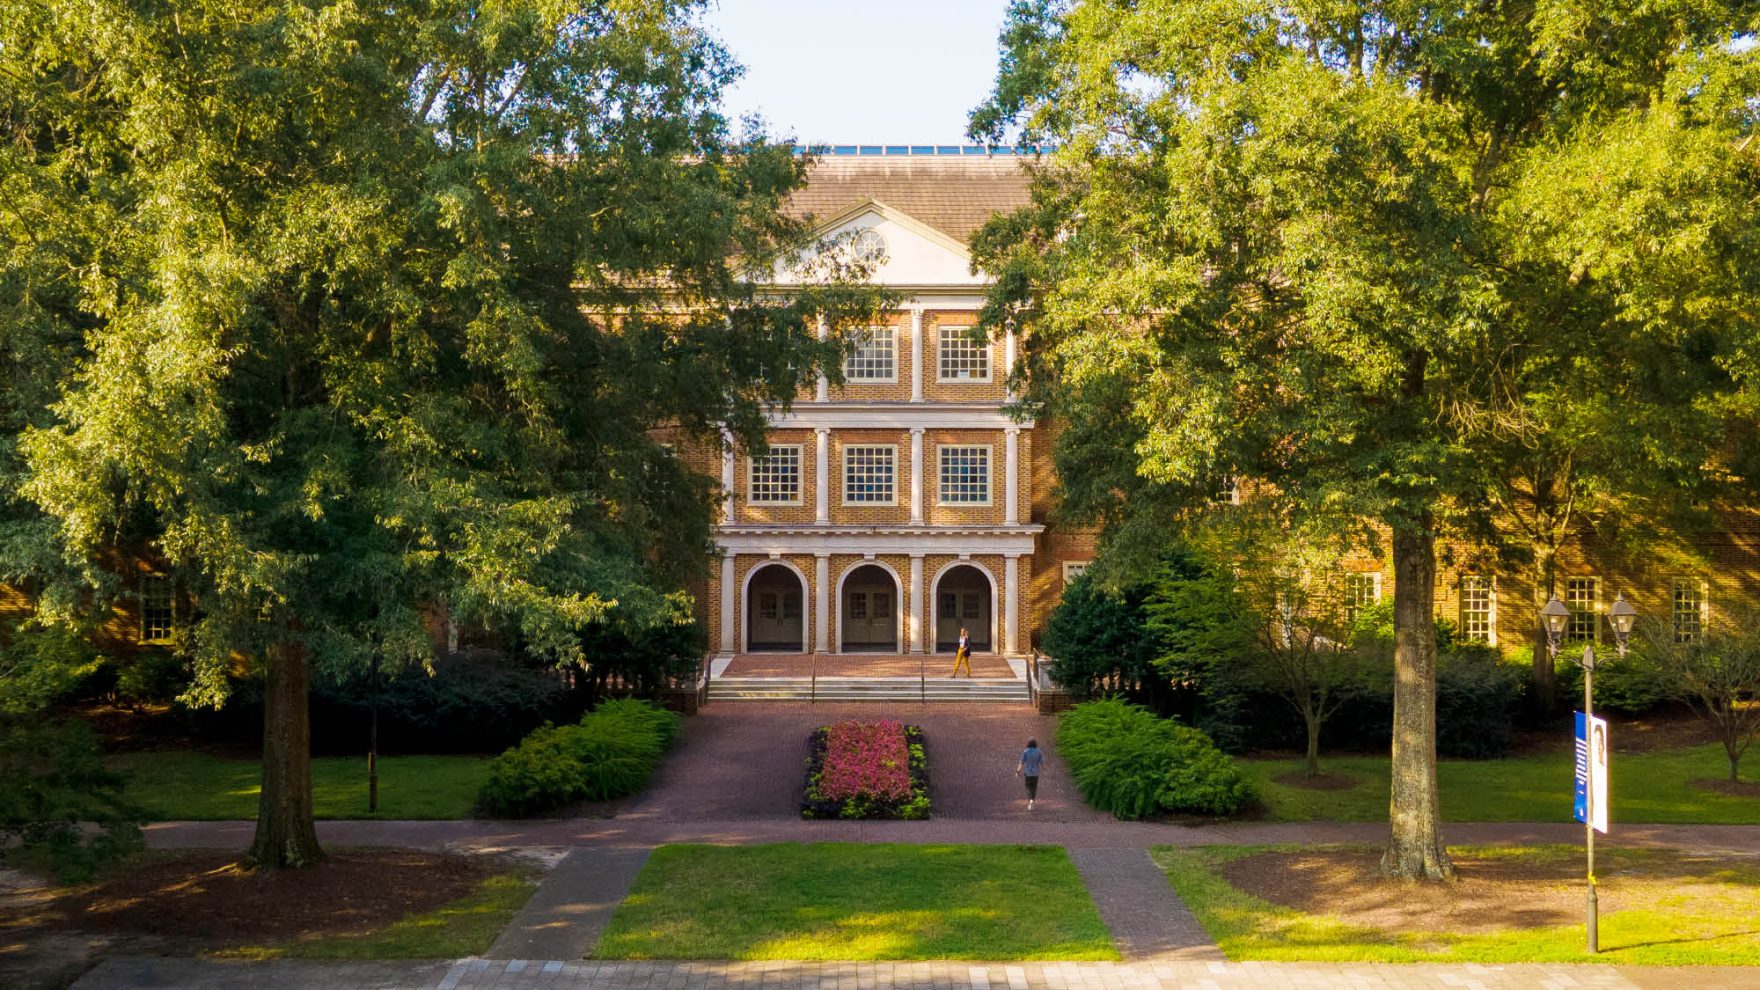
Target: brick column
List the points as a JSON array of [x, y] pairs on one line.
[[729, 642], [822, 465], [1011, 606], [1011, 477], [916, 476], [822, 603], [917, 354], [919, 598]]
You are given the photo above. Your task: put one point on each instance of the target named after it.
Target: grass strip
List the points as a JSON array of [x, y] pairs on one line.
[[180, 784]]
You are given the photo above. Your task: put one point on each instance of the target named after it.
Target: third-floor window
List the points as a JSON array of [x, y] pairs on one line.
[[961, 357], [875, 358]]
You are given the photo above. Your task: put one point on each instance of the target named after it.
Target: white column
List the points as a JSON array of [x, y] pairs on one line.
[[726, 478], [822, 477], [1011, 476], [916, 476], [917, 354], [1011, 605], [918, 599], [1008, 355], [822, 603], [728, 643], [823, 392]]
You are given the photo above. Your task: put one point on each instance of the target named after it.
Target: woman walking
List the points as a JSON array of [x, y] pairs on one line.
[[1032, 760], [962, 657]]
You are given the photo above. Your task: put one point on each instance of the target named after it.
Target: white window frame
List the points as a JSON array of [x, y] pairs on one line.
[[963, 335], [1593, 611], [869, 337], [159, 581], [1703, 591], [892, 481], [1073, 569], [752, 466], [1490, 580], [941, 452], [1352, 607]]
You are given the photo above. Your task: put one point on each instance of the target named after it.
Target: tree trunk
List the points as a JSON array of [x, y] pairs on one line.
[[1313, 768], [1545, 586], [1414, 847], [286, 835]]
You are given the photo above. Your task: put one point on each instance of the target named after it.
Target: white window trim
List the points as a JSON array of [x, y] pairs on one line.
[[1374, 580], [1078, 566], [800, 474], [1704, 589], [171, 635], [941, 333], [1594, 603], [892, 379], [853, 447], [1490, 610], [989, 450]]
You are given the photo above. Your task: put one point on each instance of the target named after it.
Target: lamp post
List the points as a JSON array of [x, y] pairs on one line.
[[1621, 616]]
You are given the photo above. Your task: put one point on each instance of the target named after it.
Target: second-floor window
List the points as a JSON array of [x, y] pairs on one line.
[[1478, 609], [961, 357], [875, 358], [965, 475], [158, 609], [1583, 595], [1690, 609], [1361, 590], [775, 478], [869, 473]]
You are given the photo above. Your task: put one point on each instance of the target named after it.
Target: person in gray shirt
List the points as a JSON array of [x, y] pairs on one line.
[[1032, 760]]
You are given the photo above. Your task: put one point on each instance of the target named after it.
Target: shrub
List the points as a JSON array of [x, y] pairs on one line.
[[867, 770], [610, 753], [1476, 699], [1126, 761], [1631, 685]]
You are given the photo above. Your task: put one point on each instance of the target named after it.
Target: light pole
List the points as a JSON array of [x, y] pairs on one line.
[[1621, 616]]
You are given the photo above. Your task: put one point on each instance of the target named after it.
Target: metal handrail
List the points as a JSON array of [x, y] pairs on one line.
[[923, 678], [813, 693]]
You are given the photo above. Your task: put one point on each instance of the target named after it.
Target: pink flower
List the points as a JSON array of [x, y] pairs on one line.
[[866, 758]]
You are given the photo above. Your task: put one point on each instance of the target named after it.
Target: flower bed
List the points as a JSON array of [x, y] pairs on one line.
[[867, 770]]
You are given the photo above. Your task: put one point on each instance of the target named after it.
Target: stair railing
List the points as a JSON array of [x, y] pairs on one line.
[[923, 678], [813, 692]]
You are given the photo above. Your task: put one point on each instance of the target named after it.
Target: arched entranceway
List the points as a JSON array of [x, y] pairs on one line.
[[868, 610], [964, 597], [776, 599]]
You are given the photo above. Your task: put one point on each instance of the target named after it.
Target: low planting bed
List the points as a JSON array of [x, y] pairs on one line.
[[867, 770]]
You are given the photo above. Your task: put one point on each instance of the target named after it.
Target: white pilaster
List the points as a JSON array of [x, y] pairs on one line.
[[1011, 476], [729, 644], [1011, 607], [822, 476], [726, 478], [917, 476], [917, 354], [918, 599], [823, 392], [822, 603], [1008, 356]]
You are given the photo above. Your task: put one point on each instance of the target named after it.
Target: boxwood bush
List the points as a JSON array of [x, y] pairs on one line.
[[1129, 762], [610, 753]]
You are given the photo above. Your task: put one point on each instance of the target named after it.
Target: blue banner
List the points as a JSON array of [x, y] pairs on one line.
[[1582, 800]]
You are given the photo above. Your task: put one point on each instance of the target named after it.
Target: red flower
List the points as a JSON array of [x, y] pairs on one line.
[[866, 758]]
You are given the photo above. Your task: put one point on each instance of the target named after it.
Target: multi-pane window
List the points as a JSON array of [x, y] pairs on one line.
[[775, 478], [157, 609], [961, 357], [1478, 608], [1583, 595], [965, 475], [1227, 491], [875, 358], [1361, 590], [1689, 610], [868, 474], [1073, 569]]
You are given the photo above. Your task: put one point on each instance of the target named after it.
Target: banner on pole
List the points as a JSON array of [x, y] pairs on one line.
[[1592, 772]]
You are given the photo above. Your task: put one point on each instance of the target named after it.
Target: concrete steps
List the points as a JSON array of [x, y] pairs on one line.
[[894, 689]]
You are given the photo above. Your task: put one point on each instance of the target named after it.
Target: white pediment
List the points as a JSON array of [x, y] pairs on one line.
[[908, 251]]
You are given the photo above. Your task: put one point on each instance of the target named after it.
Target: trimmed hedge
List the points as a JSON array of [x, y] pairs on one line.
[[610, 753], [1129, 762]]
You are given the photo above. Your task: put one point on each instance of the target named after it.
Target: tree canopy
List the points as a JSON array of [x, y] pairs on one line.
[[1374, 254]]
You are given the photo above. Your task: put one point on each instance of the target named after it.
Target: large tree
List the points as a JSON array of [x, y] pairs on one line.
[[377, 307], [1337, 246]]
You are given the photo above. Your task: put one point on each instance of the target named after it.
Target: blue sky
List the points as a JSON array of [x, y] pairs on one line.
[[861, 71]]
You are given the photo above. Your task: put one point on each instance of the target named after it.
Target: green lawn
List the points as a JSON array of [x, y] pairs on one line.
[[465, 927], [1647, 788], [855, 902], [178, 784], [1714, 925]]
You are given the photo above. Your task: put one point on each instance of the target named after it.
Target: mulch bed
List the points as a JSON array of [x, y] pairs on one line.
[[1730, 788], [1321, 782], [206, 897]]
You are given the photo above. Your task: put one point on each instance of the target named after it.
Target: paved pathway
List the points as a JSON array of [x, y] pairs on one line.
[[570, 909], [1148, 921], [480, 974]]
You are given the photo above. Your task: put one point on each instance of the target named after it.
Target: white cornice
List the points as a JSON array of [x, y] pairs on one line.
[[896, 415], [779, 540]]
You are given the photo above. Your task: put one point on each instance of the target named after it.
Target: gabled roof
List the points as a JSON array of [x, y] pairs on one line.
[[954, 195], [825, 225]]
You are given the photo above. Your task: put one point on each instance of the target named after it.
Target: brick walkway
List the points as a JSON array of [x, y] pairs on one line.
[[1148, 921], [124, 973]]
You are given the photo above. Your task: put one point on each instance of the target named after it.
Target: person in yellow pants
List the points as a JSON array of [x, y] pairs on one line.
[[962, 657]]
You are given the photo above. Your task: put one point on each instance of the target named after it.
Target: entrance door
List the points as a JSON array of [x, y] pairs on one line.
[[870, 610], [962, 600], [775, 611]]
